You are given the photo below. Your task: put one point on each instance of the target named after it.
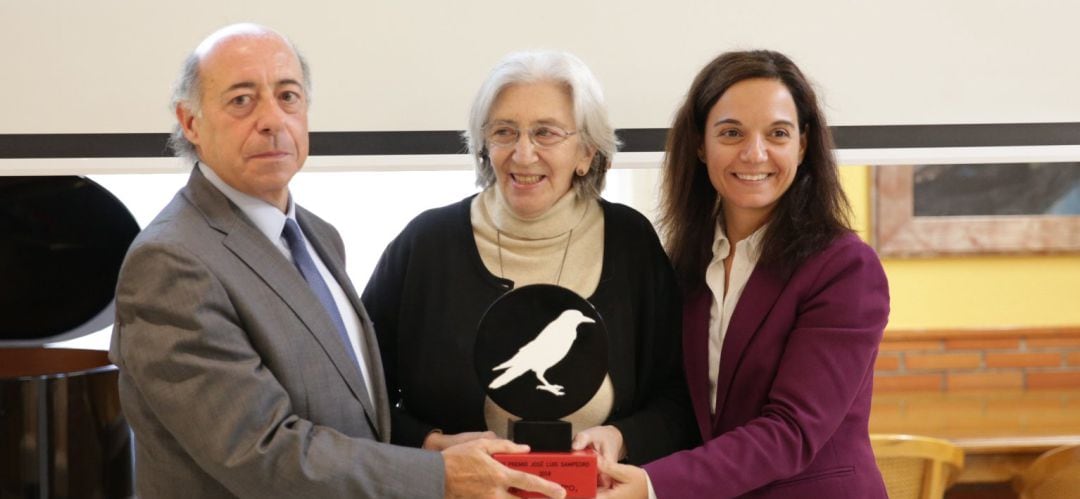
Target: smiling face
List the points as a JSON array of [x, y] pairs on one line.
[[752, 148], [530, 179], [252, 126]]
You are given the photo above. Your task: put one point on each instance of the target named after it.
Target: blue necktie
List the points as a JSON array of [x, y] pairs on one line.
[[302, 259]]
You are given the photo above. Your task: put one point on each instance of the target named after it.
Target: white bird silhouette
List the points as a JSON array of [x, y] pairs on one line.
[[547, 349]]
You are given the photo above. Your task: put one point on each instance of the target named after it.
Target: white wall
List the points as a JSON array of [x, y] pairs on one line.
[[74, 66]]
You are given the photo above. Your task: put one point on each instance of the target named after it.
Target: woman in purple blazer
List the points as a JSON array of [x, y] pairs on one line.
[[785, 306]]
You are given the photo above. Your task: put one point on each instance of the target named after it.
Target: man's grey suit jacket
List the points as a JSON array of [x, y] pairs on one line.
[[232, 375]]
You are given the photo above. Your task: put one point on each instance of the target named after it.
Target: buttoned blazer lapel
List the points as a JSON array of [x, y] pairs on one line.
[[758, 298], [696, 357], [323, 241], [262, 257]]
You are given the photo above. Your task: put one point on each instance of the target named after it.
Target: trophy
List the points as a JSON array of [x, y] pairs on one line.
[[541, 354]]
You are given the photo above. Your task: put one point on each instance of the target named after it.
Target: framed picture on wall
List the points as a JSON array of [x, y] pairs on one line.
[[948, 209]]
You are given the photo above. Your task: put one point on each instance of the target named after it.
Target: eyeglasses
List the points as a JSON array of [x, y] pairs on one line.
[[541, 136]]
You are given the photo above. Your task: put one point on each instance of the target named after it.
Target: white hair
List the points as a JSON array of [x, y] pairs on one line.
[[589, 110], [187, 90]]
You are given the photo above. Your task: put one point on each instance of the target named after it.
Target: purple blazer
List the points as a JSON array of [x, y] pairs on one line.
[[793, 393]]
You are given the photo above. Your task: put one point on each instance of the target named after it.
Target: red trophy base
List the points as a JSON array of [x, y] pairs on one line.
[[575, 471]]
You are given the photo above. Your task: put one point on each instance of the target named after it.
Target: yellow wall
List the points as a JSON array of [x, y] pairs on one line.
[[972, 291]]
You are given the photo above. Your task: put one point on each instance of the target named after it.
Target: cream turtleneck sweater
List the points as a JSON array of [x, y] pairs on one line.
[[533, 252]]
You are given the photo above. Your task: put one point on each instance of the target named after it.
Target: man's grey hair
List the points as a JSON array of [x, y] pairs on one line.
[[187, 90], [590, 113]]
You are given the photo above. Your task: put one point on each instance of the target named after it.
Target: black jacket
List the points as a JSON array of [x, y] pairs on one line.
[[430, 289]]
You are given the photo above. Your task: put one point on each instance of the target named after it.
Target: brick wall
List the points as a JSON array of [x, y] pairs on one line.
[[951, 360]]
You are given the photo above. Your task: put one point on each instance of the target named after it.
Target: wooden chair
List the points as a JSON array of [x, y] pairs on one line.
[[1054, 474], [916, 467]]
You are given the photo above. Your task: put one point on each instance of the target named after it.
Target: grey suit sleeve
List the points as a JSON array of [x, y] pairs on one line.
[[195, 371]]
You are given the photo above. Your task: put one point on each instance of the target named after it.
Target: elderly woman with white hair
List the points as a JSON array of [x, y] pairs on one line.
[[542, 143]]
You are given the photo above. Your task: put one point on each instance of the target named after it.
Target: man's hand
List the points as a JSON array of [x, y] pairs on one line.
[[627, 482], [438, 441], [472, 472]]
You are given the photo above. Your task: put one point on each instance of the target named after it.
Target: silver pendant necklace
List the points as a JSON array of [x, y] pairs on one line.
[[566, 250]]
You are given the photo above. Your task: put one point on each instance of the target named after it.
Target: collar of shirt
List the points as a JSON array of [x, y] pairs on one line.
[[266, 217], [721, 246]]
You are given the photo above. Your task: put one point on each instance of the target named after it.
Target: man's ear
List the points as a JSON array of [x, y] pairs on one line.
[[186, 118]]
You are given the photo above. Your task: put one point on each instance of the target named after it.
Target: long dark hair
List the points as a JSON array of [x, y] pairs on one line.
[[812, 212]]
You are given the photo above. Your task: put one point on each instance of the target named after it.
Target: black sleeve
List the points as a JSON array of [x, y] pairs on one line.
[[382, 298], [663, 421]]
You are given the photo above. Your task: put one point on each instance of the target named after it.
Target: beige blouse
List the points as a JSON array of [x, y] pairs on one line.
[[564, 246]]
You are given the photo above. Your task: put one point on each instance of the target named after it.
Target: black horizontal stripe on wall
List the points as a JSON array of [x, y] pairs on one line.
[[84, 145], [396, 143], [387, 143], [978, 135]]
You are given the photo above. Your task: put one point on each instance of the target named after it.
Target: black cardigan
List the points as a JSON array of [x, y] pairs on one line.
[[430, 289]]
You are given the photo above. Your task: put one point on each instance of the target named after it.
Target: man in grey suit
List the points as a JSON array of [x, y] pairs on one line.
[[248, 366]]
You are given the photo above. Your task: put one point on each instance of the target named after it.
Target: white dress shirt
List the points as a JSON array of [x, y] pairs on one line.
[[270, 221], [746, 257]]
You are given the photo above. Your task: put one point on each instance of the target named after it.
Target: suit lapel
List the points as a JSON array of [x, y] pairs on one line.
[[757, 299], [259, 254], [696, 356], [323, 244]]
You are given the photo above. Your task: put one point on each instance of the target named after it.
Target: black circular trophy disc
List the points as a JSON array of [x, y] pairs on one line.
[[541, 352]]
